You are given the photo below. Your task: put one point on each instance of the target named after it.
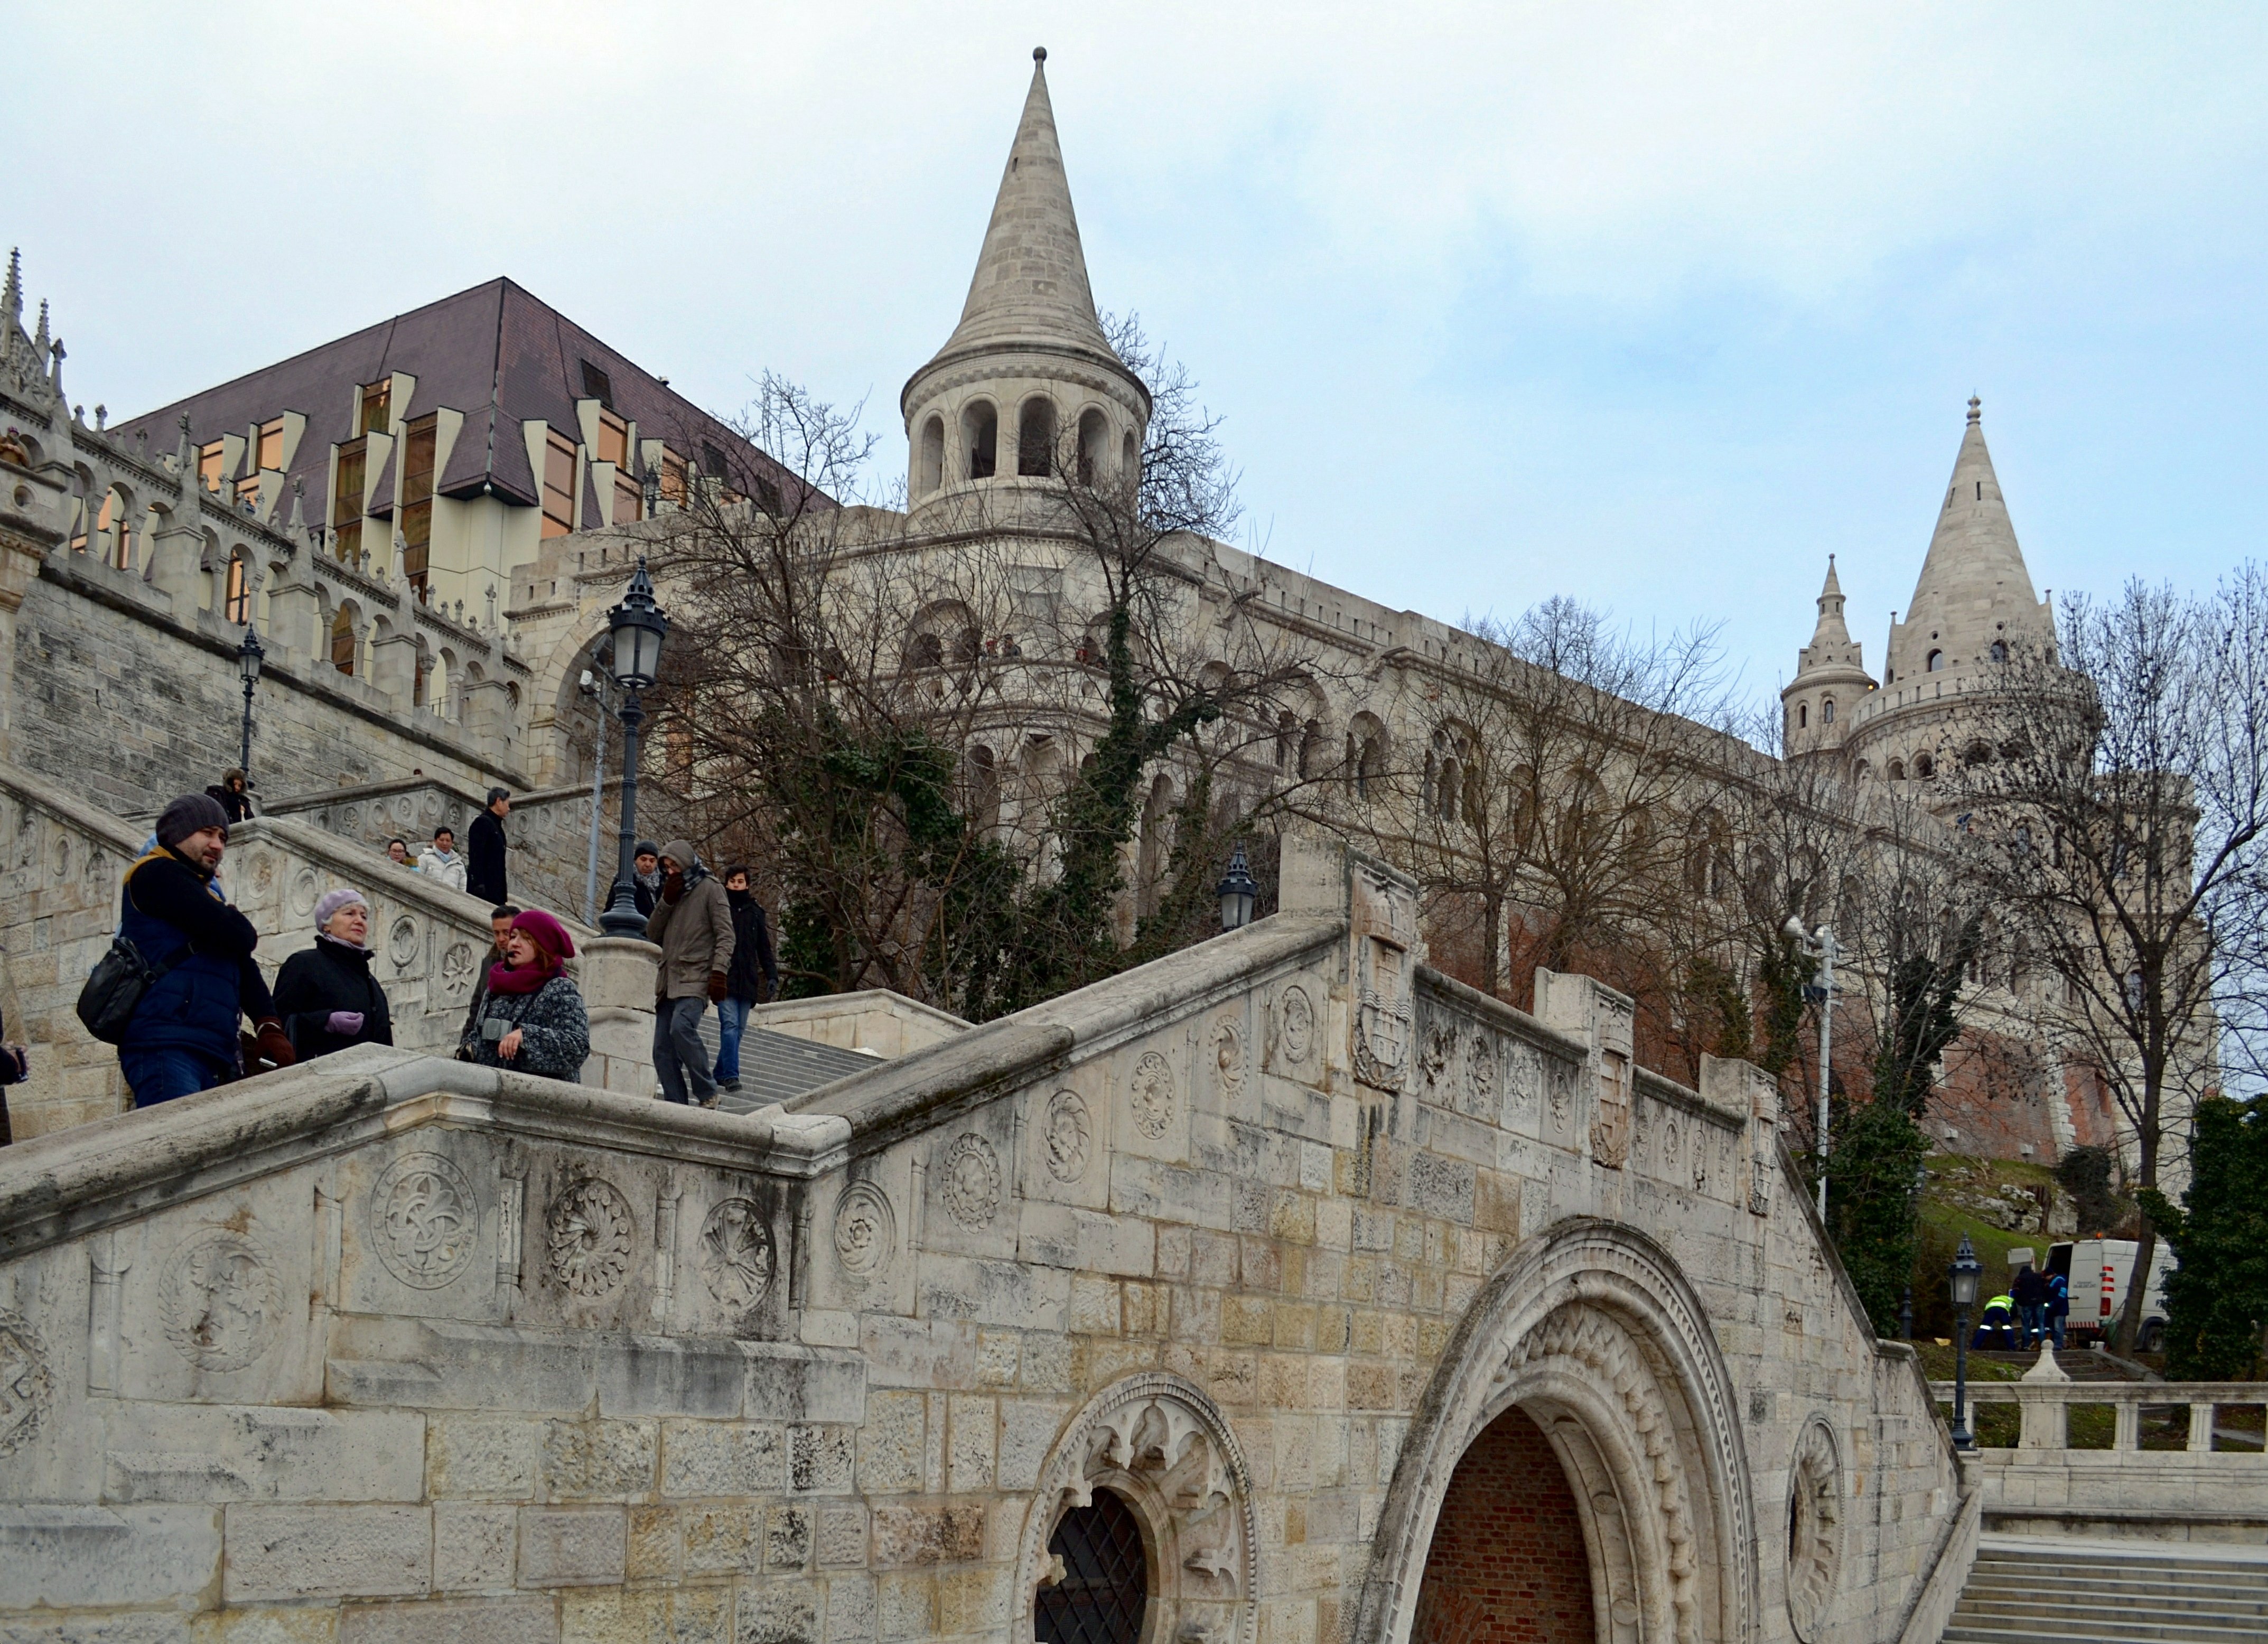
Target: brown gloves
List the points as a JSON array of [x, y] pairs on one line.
[[266, 1047], [716, 987]]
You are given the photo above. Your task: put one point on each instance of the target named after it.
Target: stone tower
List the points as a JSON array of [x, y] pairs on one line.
[[1821, 702], [1972, 603], [1027, 386]]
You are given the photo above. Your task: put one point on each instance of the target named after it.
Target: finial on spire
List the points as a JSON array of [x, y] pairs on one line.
[[1038, 54], [1975, 407], [12, 302]]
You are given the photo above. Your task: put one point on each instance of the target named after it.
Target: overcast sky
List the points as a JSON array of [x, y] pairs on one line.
[[1653, 305]]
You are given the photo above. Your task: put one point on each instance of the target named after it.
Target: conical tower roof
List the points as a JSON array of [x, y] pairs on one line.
[[1974, 587], [1030, 292], [1830, 631]]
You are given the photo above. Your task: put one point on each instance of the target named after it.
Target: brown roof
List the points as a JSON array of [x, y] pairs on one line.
[[495, 353]]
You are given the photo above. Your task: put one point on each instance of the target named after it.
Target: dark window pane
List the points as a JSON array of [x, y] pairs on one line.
[[1106, 1584]]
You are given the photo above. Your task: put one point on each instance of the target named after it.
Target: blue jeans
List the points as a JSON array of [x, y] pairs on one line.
[[681, 1061], [156, 1076], [2034, 1315], [2055, 1329], [732, 1022]]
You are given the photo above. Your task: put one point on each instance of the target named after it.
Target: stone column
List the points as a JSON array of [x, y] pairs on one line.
[[619, 973]]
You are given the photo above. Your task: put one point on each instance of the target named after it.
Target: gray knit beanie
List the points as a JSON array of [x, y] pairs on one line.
[[192, 812]]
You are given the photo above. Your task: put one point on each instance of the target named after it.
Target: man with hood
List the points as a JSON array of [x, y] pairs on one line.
[[182, 1037], [693, 925]]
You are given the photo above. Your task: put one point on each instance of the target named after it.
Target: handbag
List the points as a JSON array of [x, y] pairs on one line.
[[116, 986]]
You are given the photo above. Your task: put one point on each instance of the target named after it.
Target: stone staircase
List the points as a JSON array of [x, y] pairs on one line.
[[2037, 1590]]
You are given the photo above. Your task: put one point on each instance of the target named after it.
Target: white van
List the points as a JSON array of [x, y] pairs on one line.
[[2097, 1270]]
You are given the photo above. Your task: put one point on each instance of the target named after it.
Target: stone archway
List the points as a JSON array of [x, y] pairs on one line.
[[1158, 1443], [1508, 1560], [1591, 1333]]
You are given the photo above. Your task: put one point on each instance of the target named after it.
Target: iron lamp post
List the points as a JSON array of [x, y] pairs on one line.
[[250, 653], [1962, 1282], [637, 628], [1820, 942], [1238, 891]]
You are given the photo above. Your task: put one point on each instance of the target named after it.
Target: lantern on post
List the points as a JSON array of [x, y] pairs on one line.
[[636, 628], [1238, 891], [1961, 1278]]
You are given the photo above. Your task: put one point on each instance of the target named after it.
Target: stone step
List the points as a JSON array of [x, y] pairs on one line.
[[2041, 1590], [2077, 1606], [2091, 1574]]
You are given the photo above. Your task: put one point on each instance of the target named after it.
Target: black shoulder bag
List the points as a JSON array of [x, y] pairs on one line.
[[117, 985]]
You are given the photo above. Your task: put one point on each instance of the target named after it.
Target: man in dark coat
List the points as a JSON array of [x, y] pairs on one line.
[[646, 877], [234, 793], [752, 978], [182, 1037], [500, 920], [2031, 1294], [326, 994], [693, 923], [484, 848]]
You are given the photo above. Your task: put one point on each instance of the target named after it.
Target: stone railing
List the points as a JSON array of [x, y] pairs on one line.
[[61, 861], [2175, 1461]]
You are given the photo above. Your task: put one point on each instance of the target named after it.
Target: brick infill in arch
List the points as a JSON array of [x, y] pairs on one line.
[[1507, 1564]]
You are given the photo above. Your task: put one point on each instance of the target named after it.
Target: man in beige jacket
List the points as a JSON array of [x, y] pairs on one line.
[[692, 923]]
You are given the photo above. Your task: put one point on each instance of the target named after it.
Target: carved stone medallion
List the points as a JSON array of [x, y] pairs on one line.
[[1152, 1092], [1228, 1055], [865, 1231], [1559, 1085], [589, 1227], [736, 1254], [401, 942], [1815, 1529], [1069, 1136], [219, 1300], [1480, 1077], [1669, 1142], [972, 1181], [457, 972], [1298, 1012], [26, 1388], [424, 1219]]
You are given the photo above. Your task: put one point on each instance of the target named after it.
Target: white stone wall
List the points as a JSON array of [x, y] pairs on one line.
[[386, 1347]]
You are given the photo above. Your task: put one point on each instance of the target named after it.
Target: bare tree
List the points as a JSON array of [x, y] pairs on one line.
[[2118, 793], [1551, 782]]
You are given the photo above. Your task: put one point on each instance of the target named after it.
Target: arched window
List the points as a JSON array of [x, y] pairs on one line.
[[1936, 661], [1827, 712], [343, 640], [1924, 767], [1035, 437], [1130, 457], [1802, 716], [1287, 731], [1895, 771], [1977, 753], [980, 437], [930, 472], [927, 650], [1311, 745], [1105, 1589], [236, 602], [1093, 444], [117, 532], [1999, 651]]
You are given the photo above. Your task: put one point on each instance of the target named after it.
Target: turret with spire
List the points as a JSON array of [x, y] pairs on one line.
[[1028, 384], [1829, 678], [1974, 592]]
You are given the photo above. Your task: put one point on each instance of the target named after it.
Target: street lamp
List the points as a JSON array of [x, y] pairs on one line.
[[1820, 942], [637, 628], [1962, 1281], [594, 687], [249, 655], [1238, 891]]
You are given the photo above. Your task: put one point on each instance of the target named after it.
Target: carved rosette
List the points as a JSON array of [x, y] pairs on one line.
[[220, 1300], [1160, 1443], [1228, 1057], [736, 1254], [589, 1229], [424, 1219], [1814, 1527], [865, 1232], [1295, 1025], [1070, 1137], [972, 1181], [27, 1389], [1151, 1092]]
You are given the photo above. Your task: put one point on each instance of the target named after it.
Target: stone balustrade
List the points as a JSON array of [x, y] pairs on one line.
[[2212, 1486]]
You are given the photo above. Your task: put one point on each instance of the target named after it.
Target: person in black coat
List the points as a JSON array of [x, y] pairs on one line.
[[233, 792], [484, 848], [326, 995], [752, 978]]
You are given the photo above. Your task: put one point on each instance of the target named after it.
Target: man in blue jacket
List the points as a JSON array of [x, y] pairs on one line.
[[183, 1034]]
